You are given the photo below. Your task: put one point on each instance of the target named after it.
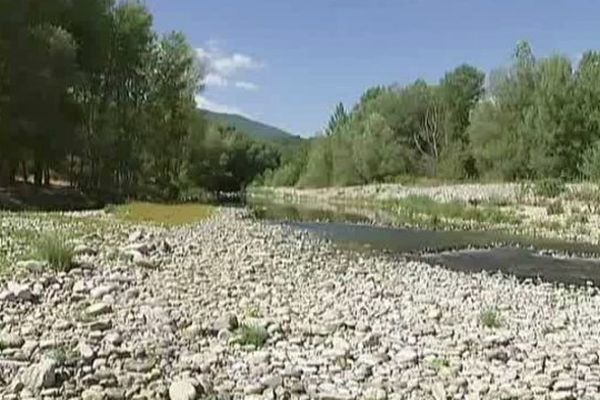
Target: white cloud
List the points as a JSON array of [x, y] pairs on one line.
[[229, 65], [222, 67], [212, 79], [207, 104], [246, 85]]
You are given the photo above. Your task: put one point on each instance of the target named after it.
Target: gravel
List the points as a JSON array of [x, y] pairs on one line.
[[341, 325]]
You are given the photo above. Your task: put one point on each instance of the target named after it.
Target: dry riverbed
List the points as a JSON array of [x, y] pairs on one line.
[[235, 308]]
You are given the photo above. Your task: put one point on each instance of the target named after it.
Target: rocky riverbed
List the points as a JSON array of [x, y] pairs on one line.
[[152, 313]]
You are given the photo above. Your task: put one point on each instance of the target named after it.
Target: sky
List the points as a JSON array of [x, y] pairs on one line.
[[289, 62]]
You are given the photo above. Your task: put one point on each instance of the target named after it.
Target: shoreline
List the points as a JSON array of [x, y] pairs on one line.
[[573, 215]]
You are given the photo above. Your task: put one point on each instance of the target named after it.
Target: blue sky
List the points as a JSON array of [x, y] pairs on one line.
[[288, 62]]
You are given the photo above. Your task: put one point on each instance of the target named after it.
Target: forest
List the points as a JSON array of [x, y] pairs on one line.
[[92, 96], [537, 118]]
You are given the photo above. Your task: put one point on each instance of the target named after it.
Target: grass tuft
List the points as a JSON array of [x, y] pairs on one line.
[[251, 335], [555, 208], [439, 363], [549, 188], [166, 214], [490, 318], [254, 312], [56, 251]]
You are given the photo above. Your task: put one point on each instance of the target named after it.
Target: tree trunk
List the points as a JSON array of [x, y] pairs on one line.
[[46, 176], [24, 171], [38, 173], [4, 173]]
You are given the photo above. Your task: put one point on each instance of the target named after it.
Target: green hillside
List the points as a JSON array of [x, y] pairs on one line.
[[254, 129]]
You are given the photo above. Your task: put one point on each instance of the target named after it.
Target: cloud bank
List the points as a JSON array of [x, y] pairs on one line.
[[223, 70]]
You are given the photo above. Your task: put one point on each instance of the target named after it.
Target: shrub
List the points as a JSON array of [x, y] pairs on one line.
[[490, 318], [549, 188], [110, 208], [56, 251], [590, 163], [251, 335], [575, 210], [577, 219], [555, 208]]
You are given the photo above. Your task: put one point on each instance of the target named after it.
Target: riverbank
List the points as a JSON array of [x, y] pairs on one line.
[[566, 212], [236, 307], [27, 197]]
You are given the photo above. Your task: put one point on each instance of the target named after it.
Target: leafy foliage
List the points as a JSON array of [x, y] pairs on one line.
[[92, 95], [536, 119]]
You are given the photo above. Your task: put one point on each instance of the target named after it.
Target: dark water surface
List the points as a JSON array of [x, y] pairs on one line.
[[467, 251]]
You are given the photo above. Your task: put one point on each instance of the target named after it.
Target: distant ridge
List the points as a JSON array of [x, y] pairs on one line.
[[254, 129]]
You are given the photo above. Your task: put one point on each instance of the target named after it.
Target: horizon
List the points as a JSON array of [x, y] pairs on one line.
[[288, 65]]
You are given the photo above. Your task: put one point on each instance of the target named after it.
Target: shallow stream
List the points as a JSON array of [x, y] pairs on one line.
[[468, 251]]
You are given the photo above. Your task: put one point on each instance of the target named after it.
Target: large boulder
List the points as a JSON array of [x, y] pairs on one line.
[[182, 390], [40, 376]]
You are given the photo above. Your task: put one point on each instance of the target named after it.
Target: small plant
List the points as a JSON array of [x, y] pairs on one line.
[[64, 356], [498, 201], [253, 312], [574, 219], [549, 188], [439, 363], [555, 208], [110, 209], [251, 335], [490, 318], [56, 251], [550, 225]]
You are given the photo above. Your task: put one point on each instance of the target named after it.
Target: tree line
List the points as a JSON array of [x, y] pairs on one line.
[[536, 118], [92, 95]]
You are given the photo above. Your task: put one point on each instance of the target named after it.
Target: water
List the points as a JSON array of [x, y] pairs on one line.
[[467, 251]]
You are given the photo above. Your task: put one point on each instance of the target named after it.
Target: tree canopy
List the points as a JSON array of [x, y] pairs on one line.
[[536, 118], [90, 94]]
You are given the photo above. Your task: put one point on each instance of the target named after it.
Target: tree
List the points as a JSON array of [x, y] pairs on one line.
[[172, 107], [461, 89], [432, 136], [319, 164], [338, 119]]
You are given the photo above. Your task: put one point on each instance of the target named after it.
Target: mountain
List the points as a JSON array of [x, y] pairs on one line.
[[254, 129]]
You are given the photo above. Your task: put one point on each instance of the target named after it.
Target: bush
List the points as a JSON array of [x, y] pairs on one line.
[[549, 188], [56, 251], [555, 208], [251, 335], [110, 208], [576, 219], [590, 163], [490, 319]]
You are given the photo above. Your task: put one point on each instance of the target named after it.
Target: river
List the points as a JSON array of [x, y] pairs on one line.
[[467, 251]]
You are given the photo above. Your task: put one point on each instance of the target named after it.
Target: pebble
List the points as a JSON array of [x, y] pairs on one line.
[[339, 325]]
